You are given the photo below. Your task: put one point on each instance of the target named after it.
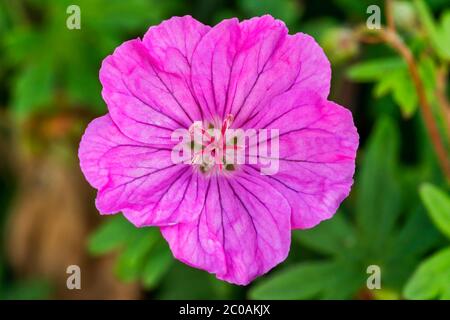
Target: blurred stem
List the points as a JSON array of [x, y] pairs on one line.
[[389, 11], [390, 36], [394, 40]]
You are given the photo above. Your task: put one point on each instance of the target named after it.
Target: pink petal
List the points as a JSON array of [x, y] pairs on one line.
[[242, 231], [138, 179], [239, 67], [146, 84], [315, 70], [318, 143], [179, 36], [100, 136], [180, 201]]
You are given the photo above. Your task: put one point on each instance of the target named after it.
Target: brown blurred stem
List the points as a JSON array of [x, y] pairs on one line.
[[398, 45], [390, 36], [389, 11]]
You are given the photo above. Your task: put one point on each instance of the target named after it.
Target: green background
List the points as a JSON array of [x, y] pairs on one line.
[[397, 216]]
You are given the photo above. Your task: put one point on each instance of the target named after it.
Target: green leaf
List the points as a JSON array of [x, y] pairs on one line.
[[378, 199], [445, 295], [439, 35], [339, 279], [110, 235], [375, 69], [22, 45], [157, 265], [132, 260], [329, 237], [287, 10], [33, 90], [400, 84], [431, 279], [82, 84], [408, 246], [222, 289], [437, 203], [186, 283], [344, 281], [302, 281], [445, 23], [392, 76], [426, 18], [28, 290], [404, 94], [428, 74], [417, 236], [385, 84]]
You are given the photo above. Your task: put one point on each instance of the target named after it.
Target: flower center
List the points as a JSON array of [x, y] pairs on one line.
[[212, 147]]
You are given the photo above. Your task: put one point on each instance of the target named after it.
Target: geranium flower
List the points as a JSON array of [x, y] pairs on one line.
[[228, 219]]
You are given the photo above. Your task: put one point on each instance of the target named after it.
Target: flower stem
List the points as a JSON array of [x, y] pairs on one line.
[[393, 40], [390, 36]]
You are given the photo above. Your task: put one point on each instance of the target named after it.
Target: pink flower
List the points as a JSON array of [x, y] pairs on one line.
[[230, 220]]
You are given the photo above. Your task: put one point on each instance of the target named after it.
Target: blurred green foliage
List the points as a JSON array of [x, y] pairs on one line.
[[392, 77], [50, 59], [145, 255], [382, 230], [432, 278], [46, 69]]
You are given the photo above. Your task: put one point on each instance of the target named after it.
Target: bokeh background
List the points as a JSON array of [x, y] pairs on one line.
[[397, 216]]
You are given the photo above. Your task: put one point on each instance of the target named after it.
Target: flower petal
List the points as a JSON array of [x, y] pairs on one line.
[[318, 143], [146, 84], [242, 231], [100, 136], [138, 179], [178, 35], [315, 70], [180, 201], [239, 67]]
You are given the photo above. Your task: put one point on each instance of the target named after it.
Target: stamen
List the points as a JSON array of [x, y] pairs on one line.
[[227, 123], [229, 167], [212, 155]]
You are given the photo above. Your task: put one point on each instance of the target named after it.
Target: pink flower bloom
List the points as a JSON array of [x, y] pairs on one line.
[[229, 220]]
